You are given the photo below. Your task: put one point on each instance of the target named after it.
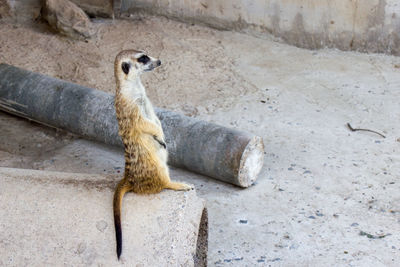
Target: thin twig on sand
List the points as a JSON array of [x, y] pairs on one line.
[[367, 130]]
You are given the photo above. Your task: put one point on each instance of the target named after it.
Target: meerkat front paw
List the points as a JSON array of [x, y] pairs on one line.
[[179, 186], [186, 187]]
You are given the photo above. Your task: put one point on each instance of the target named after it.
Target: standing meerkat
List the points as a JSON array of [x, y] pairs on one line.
[[146, 170]]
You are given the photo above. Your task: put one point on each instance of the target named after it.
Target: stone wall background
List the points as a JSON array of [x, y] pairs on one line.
[[367, 26], [360, 25]]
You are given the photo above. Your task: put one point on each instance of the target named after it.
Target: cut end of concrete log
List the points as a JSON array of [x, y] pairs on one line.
[[251, 162]]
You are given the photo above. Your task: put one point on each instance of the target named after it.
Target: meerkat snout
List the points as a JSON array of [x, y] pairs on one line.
[[152, 64]]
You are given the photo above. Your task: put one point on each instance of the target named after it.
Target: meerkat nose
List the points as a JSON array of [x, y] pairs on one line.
[[158, 63]]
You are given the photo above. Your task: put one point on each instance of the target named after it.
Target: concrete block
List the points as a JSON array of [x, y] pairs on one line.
[[65, 219]]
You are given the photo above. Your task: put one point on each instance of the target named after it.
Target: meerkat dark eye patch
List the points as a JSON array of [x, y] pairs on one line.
[[125, 67], [143, 59]]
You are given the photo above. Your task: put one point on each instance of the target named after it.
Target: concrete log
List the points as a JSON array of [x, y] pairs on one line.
[[66, 219], [225, 154]]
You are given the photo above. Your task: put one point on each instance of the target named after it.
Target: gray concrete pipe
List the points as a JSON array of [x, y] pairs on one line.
[[225, 154]]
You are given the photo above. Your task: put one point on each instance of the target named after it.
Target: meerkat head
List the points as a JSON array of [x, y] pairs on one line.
[[130, 64]]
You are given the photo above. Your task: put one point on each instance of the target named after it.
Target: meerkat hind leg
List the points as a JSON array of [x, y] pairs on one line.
[[178, 186]]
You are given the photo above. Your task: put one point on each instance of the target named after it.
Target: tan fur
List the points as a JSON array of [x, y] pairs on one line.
[[146, 169]]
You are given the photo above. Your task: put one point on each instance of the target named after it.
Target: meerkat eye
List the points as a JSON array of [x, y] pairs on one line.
[[143, 59], [125, 67]]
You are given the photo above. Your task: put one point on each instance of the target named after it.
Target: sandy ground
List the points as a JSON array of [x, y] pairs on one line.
[[325, 196]]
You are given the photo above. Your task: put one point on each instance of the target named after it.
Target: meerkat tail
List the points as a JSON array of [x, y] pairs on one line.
[[122, 187]]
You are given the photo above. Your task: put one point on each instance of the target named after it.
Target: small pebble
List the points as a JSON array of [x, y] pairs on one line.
[[101, 225], [81, 248]]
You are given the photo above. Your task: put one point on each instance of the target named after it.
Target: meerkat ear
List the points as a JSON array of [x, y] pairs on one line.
[[125, 67]]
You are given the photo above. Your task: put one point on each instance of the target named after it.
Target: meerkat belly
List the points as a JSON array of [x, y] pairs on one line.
[[148, 111], [163, 155], [157, 149]]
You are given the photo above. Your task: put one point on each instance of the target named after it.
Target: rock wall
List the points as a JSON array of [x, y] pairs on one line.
[[30, 9], [368, 26]]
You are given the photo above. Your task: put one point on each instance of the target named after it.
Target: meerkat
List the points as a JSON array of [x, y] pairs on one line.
[[146, 170]]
